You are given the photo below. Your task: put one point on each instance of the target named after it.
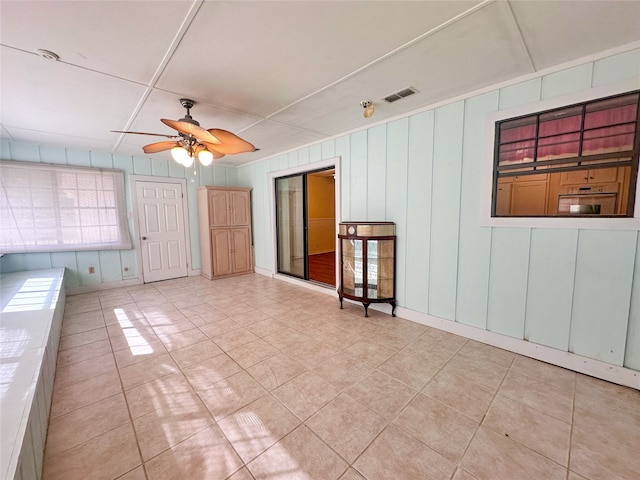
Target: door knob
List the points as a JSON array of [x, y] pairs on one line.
[[144, 238]]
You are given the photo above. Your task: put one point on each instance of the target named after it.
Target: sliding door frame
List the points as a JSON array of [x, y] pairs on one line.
[[302, 169]]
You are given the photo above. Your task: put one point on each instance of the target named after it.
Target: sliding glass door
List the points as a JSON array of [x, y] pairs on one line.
[[305, 222], [290, 222]]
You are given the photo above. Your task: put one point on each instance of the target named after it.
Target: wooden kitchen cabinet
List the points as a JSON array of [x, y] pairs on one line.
[[225, 231], [522, 195], [593, 175]]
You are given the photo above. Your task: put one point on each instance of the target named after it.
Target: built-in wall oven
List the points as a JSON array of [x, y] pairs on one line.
[[588, 200]]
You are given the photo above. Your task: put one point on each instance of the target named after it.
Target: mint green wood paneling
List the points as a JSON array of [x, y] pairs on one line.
[[110, 266], [567, 81], [508, 281], [14, 262], [78, 158], [358, 180], [219, 176], [195, 262], [232, 177], [632, 352], [57, 155], [5, 149], [419, 176], [445, 210], [303, 156], [160, 167], [69, 262], [292, 159], [520, 93], [25, 152], [280, 163], [206, 176], [376, 172], [618, 67], [124, 163], [328, 149], [101, 159], [142, 166], [602, 293], [86, 260], [315, 153], [475, 241], [37, 261], [396, 199], [128, 260], [550, 290], [178, 171], [343, 150]]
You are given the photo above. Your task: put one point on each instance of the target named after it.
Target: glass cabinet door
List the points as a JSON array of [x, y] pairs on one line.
[[352, 267]]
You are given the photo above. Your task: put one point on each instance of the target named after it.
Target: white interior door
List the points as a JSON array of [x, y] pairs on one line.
[[162, 230]]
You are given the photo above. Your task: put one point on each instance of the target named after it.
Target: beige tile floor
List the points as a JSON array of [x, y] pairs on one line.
[[254, 378]]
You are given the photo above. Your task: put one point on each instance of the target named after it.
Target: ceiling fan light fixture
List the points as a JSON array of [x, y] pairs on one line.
[[205, 157], [368, 108], [180, 155]]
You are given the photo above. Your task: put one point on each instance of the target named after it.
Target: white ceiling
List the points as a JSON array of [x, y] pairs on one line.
[[280, 74]]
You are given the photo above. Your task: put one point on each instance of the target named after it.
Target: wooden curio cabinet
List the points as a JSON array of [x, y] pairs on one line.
[[367, 263], [225, 231]]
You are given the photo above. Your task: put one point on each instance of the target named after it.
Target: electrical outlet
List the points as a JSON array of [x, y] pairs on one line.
[[92, 269], [126, 269]]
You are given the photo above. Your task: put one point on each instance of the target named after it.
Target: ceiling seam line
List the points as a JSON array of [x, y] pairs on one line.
[[524, 43], [177, 39], [426, 34]]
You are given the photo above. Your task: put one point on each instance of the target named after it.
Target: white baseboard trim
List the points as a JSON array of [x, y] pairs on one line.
[[194, 273], [571, 361], [263, 271], [103, 286], [588, 366]]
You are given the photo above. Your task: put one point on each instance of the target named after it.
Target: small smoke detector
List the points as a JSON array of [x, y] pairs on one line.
[[405, 92], [49, 55]]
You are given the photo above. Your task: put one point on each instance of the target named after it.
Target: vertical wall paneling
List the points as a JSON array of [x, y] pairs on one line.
[[567, 81], [57, 155], [520, 93], [232, 177], [358, 180], [124, 163], [303, 156], [616, 68], [101, 159], [419, 186], [179, 171], [69, 262], [508, 281], [14, 262], [343, 150], [292, 159], [550, 288], [328, 149], [142, 166], [475, 242], [25, 152], [315, 153], [160, 167], [78, 158], [632, 351], [219, 176], [110, 268], [37, 261], [5, 149], [206, 176], [376, 172], [282, 162], [396, 196], [445, 210], [602, 293], [86, 260], [194, 226]]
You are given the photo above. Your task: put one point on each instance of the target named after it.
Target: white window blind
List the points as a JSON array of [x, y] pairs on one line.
[[47, 208]]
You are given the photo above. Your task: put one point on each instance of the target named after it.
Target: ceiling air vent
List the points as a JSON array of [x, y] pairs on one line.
[[401, 94]]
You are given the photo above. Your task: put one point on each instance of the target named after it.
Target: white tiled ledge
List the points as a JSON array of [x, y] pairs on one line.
[[31, 310]]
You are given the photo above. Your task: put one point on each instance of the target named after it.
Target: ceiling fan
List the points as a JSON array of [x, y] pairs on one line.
[[194, 141]]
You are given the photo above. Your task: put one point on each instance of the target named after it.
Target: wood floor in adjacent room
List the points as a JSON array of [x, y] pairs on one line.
[[322, 268], [255, 378]]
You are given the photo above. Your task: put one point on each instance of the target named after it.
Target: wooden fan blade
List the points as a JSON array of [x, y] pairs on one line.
[[191, 129], [213, 148], [145, 133], [230, 142], [159, 147]]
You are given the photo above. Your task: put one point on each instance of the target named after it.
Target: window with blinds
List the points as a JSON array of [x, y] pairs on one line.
[[48, 208]]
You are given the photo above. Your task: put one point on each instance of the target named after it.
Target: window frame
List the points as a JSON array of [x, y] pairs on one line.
[[122, 239], [489, 178]]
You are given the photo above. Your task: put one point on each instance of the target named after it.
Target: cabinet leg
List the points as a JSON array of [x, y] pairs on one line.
[[393, 309], [340, 303], [366, 309]]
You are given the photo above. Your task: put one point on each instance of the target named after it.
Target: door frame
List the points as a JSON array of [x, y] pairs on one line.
[[334, 162], [135, 227]]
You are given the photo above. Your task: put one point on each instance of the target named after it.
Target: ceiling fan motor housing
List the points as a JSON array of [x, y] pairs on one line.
[[188, 104]]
